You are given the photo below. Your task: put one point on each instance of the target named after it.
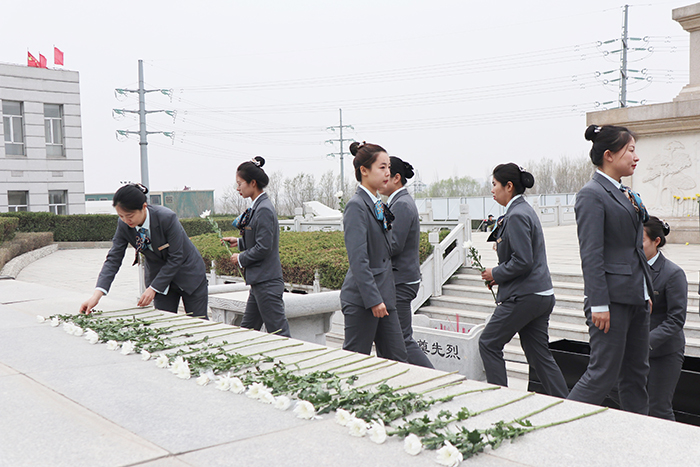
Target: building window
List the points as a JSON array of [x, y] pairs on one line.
[[53, 128], [13, 127], [18, 201], [58, 201], [155, 200]]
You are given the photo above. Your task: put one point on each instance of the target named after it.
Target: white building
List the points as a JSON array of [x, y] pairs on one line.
[[41, 151]]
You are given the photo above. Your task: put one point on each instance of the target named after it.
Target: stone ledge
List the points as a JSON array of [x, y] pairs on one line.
[[15, 265]]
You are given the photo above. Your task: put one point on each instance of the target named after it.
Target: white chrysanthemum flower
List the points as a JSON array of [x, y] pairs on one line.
[[282, 402], [68, 327], [339, 194], [223, 383], [343, 417], [177, 364], [358, 427], [255, 390], [91, 336], [305, 410], [40, 319], [266, 397], [449, 455], [236, 386], [163, 361], [467, 245], [203, 380], [127, 348], [205, 214], [78, 331], [55, 322], [112, 345], [412, 444], [183, 371], [145, 355], [377, 432]]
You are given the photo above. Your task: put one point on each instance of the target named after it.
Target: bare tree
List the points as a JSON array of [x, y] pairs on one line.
[[274, 189], [231, 202], [327, 188], [297, 190], [543, 171], [572, 173]]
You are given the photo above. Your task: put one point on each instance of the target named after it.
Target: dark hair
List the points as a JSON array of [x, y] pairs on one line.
[[130, 197], [510, 172], [656, 228], [365, 155], [402, 168], [252, 170], [607, 138]]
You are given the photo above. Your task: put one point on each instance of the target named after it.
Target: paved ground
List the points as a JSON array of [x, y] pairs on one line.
[[64, 402]]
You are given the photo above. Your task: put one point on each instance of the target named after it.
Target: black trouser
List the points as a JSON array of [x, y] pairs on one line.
[[266, 305], [405, 293], [529, 317], [195, 303]]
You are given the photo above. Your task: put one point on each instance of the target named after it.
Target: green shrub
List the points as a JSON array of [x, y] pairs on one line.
[[301, 254], [8, 227], [32, 221], [22, 243], [84, 227]]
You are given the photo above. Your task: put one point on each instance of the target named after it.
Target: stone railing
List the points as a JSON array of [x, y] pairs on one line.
[[448, 256], [559, 214]]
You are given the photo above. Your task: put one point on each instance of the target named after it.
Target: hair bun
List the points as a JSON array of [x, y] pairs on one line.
[[260, 160], [592, 133], [527, 179], [409, 170], [141, 187], [666, 228], [354, 147]]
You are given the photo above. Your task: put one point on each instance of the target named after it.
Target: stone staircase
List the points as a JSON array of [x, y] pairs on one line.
[[466, 300]]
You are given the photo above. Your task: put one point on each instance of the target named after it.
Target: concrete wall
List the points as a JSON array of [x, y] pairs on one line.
[[36, 172]]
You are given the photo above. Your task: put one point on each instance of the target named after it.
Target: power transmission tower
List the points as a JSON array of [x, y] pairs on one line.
[[625, 73], [143, 133], [340, 140]]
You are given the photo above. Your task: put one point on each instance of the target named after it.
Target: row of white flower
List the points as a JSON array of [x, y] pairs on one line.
[[448, 455]]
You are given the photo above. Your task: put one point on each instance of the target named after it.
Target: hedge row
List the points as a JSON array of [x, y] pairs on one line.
[[23, 243], [8, 227], [301, 254], [91, 227]]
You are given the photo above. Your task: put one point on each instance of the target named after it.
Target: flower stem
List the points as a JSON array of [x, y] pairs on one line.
[[301, 351], [381, 362], [561, 422], [538, 411], [401, 388], [383, 380], [387, 365], [315, 356], [272, 350], [504, 404]]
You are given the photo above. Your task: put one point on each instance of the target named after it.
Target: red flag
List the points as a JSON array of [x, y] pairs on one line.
[[57, 56], [42, 61], [31, 61]]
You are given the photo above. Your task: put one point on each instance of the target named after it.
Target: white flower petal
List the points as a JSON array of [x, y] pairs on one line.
[[449, 455], [223, 383], [255, 390], [162, 361], [112, 345], [145, 355], [266, 397], [55, 322], [305, 410], [343, 417], [412, 444], [40, 319], [282, 402], [357, 427], [236, 386], [78, 331], [203, 380], [127, 348], [377, 432]]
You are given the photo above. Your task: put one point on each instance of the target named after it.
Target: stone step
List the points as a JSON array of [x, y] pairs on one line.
[[556, 276], [518, 371], [481, 292]]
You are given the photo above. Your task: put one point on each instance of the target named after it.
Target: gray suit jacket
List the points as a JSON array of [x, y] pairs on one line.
[[610, 243], [174, 258], [260, 244], [522, 259], [405, 237], [670, 306], [369, 280]]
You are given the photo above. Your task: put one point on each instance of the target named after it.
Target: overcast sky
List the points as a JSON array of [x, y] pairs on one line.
[[454, 87]]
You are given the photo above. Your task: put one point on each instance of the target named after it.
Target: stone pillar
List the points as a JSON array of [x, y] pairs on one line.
[[434, 239], [689, 19], [298, 217]]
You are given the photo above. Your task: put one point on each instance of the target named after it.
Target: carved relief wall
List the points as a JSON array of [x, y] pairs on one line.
[[668, 171]]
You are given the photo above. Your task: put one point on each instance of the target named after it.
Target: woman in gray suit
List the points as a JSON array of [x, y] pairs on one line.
[[174, 269], [259, 251], [368, 296], [666, 338], [404, 253], [616, 280], [525, 293]]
